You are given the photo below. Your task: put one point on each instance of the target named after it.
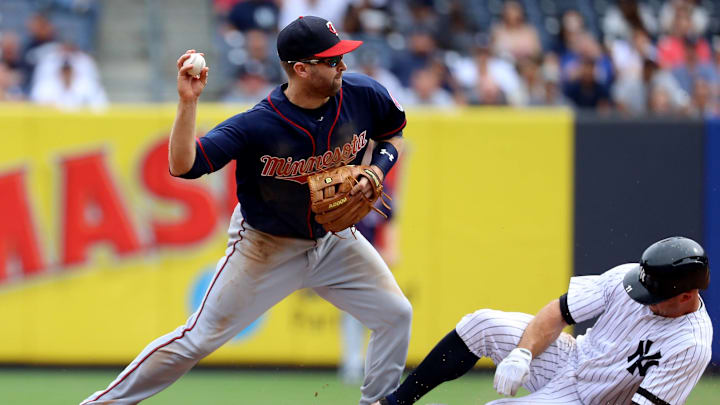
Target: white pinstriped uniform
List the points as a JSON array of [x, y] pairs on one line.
[[630, 355]]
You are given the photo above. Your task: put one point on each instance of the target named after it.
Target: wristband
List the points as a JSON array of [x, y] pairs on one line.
[[384, 156]]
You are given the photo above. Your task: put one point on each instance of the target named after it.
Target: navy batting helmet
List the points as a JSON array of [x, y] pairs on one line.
[[667, 268]]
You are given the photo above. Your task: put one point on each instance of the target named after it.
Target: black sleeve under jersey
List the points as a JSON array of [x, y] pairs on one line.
[[565, 311], [650, 397]]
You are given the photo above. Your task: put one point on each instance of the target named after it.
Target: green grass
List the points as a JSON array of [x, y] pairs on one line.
[[210, 387]]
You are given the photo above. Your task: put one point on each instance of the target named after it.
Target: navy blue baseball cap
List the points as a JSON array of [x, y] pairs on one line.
[[312, 37]]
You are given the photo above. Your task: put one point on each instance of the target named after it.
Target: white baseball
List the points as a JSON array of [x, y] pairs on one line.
[[198, 63]]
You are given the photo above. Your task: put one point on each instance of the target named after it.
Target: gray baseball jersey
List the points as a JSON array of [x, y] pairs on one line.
[[630, 355]]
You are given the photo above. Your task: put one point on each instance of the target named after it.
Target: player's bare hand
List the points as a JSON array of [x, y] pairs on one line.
[[190, 87], [364, 186]]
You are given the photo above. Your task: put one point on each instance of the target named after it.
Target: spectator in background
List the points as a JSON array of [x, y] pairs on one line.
[[488, 79], [457, 30], [254, 15], [551, 77], [512, 36], [251, 84], [258, 71], [585, 91], [222, 8], [540, 82], [704, 103], [660, 103], [41, 40], [257, 47], [243, 32], [9, 84], [426, 90], [367, 17], [671, 47], [11, 53], [67, 78], [416, 15], [419, 54], [625, 17], [656, 86], [83, 65], [79, 17], [367, 61], [699, 18], [371, 22], [69, 90], [584, 47], [572, 24], [533, 85], [331, 10], [693, 69], [627, 56]]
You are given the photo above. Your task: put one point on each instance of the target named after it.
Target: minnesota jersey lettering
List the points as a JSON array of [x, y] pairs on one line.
[[287, 169]]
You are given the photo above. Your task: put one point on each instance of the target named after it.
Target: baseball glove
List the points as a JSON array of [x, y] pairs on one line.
[[335, 209]]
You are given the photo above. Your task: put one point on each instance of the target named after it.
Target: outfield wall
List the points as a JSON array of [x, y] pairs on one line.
[[711, 190], [101, 250], [636, 182]]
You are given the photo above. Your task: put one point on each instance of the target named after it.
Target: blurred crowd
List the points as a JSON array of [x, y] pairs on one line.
[[637, 57], [45, 56]]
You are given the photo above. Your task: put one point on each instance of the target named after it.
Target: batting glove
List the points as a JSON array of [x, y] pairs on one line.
[[512, 372]]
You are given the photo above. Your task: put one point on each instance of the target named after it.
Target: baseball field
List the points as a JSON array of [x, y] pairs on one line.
[[251, 387]]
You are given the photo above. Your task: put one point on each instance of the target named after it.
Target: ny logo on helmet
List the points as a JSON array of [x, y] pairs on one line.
[[331, 27]]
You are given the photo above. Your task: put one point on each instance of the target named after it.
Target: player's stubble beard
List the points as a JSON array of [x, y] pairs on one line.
[[324, 87]]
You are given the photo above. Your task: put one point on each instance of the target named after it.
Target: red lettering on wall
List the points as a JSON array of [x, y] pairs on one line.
[[93, 211], [201, 213], [17, 233]]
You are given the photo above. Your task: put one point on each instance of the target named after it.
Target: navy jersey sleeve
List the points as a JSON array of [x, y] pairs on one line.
[[387, 110], [218, 147]]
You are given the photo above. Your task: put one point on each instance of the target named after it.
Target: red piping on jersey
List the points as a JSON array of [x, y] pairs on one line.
[[293, 123], [202, 306], [394, 130], [336, 118], [313, 151], [205, 154]]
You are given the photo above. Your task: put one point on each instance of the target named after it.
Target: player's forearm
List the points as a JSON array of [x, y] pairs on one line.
[[543, 329], [181, 151]]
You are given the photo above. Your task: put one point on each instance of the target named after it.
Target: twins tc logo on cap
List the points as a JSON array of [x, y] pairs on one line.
[[331, 27], [312, 37]]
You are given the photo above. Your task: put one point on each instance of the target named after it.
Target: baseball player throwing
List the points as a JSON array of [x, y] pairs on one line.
[[650, 344], [319, 120]]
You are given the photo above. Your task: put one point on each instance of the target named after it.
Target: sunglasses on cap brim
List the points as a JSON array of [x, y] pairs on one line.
[[332, 62]]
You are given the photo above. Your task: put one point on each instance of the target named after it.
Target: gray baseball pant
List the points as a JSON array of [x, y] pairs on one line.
[[258, 271]]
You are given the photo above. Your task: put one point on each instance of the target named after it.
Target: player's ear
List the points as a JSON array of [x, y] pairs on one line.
[[301, 69], [688, 295]]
